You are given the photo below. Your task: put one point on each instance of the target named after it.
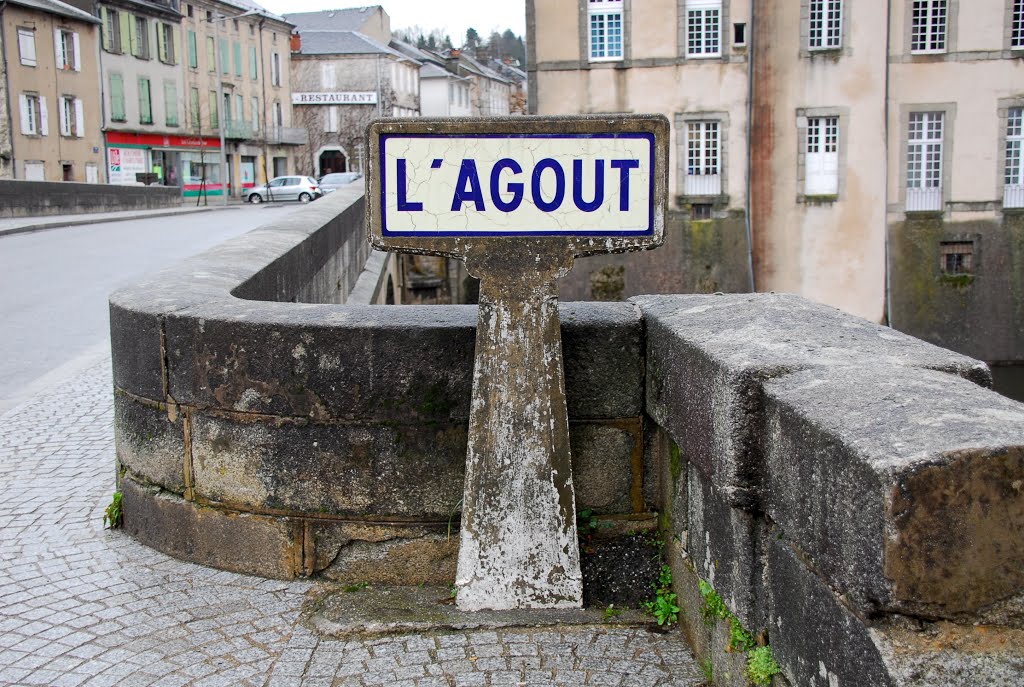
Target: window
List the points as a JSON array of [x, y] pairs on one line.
[[825, 24], [33, 114], [193, 51], [145, 102], [928, 26], [278, 115], [1017, 25], [211, 54], [111, 20], [956, 257], [165, 44], [821, 164], [604, 18], [209, 15], [924, 161], [739, 35], [72, 118], [1013, 191], [193, 107], [214, 119], [27, 46], [703, 169], [225, 57], [275, 69], [117, 113], [253, 64], [140, 38], [171, 103], [255, 114], [239, 109], [699, 211], [703, 27], [188, 11], [68, 52], [237, 53]]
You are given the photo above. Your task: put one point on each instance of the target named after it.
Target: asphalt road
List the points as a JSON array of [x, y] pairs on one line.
[[54, 286]]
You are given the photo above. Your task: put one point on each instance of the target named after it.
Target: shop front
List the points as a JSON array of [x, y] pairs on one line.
[[191, 162]]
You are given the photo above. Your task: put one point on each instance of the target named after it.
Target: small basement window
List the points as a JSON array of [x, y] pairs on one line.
[[700, 211], [956, 257], [739, 35]]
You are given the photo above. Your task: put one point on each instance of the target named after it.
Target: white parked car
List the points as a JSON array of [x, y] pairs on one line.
[[300, 188]]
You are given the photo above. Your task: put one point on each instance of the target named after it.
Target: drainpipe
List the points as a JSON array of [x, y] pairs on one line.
[[887, 317], [7, 95], [751, 43]]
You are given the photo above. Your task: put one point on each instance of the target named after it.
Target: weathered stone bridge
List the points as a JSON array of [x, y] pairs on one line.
[[854, 496]]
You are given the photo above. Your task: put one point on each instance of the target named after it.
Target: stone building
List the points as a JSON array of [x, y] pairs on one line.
[[865, 158], [51, 105]]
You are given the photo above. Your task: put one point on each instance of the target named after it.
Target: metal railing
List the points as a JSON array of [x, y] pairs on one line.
[[1013, 196]]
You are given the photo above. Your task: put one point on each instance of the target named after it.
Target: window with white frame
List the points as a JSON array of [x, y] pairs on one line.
[[68, 50], [141, 38], [924, 161], [275, 69], [825, 24], [1017, 25], [33, 114], [27, 46], [278, 115], [703, 159], [605, 26], [703, 28], [928, 23], [72, 117], [821, 161], [1013, 191]]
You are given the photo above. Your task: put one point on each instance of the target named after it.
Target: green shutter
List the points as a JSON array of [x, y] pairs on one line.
[[194, 108], [193, 52], [214, 121], [175, 45], [117, 98], [253, 62], [126, 22], [225, 58], [108, 40], [238, 58], [171, 102], [145, 103], [161, 44], [211, 54], [133, 36]]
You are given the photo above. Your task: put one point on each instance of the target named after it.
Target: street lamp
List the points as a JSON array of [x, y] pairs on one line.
[[217, 19]]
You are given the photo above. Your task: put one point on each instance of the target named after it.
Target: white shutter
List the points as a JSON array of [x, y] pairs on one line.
[[26, 115], [58, 49], [27, 47], [64, 123], [44, 126], [79, 118], [78, 52]]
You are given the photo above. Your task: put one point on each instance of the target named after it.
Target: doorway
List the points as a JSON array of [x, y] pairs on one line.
[[332, 161]]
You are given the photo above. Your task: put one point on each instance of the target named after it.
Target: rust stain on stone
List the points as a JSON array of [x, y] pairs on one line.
[[957, 546], [187, 468]]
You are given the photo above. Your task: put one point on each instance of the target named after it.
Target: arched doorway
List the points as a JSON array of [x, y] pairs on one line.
[[331, 160]]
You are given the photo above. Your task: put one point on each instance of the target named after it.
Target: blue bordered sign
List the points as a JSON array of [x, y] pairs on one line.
[[516, 184]]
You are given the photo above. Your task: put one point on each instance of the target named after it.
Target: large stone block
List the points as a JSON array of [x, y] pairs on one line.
[[383, 554], [602, 352], [904, 488], [150, 442], [240, 542], [607, 462], [708, 355]]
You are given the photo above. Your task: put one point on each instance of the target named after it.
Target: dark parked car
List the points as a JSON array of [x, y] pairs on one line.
[[332, 182], [302, 189]]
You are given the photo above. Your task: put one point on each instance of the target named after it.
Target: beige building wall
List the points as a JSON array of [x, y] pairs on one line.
[[74, 154]]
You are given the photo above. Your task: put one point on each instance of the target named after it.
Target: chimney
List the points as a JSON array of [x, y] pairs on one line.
[[296, 42]]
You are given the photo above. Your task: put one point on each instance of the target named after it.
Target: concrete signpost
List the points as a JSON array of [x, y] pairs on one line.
[[518, 199]]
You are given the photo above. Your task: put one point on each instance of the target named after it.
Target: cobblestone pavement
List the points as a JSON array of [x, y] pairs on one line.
[[80, 605]]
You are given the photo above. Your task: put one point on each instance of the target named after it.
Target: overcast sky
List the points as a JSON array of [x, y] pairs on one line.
[[453, 16]]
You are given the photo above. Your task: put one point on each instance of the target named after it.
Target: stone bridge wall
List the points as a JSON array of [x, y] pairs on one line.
[[20, 198], [855, 496]]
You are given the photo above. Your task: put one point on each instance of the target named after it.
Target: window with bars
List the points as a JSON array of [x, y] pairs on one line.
[[928, 26], [924, 160], [604, 21], [956, 257], [1017, 25], [703, 159], [825, 24], [1013, 191], [821, 164], [703, 28]]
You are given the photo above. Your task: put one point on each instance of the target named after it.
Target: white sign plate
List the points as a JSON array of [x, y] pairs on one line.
[[338, 98], [517, 184]]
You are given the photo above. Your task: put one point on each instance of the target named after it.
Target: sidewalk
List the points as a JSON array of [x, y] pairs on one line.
[[23, 225], [80, 605]]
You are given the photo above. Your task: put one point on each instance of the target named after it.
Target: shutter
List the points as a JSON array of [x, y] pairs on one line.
[[125, 21], [253, 72], [193, 54], [58, 49], [78, 52], [26, 116], [225, 58], [133, 35], [108, 40], [161, 43], [117, 97], [79, 118], [44, 122], [238, 59], [175, 45]]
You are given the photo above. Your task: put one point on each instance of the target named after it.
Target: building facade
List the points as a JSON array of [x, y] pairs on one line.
[[866, 156], [52, 109]]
